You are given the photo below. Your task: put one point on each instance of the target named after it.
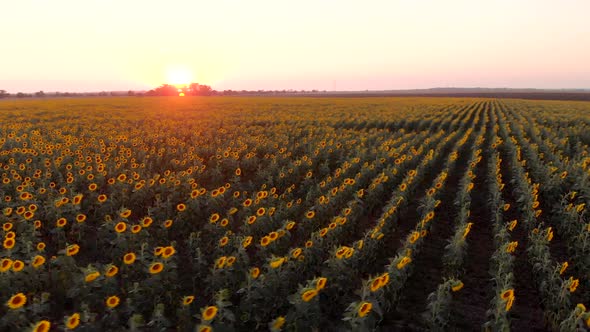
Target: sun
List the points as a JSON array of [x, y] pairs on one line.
[[179, 76]]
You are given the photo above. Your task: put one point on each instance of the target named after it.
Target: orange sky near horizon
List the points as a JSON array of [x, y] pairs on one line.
[[108, 45]]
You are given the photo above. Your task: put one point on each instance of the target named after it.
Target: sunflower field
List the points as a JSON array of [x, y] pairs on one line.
[[294, 214]]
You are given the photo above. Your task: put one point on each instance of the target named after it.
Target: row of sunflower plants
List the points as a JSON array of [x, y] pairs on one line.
[[564, 206], [440, 301], [378, 291], [554, 289], [319, 246], [303, 259]]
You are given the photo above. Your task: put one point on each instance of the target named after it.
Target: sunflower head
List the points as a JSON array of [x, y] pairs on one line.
[[73, 321], [188, 299], [17, 301], [209, 313], [42, 326], [156, 268], [112, 301], [364, 309]]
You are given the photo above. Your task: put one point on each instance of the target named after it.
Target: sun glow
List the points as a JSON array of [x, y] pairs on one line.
[[179, 76]]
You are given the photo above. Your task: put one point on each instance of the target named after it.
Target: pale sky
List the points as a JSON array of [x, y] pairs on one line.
[[94, 45]]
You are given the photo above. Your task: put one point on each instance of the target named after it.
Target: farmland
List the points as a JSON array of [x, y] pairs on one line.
[[221, 214]]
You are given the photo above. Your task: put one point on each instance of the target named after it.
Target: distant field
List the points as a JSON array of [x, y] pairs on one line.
[[230, 213]]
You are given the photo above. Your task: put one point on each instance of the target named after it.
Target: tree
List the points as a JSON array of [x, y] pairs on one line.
[[4, 94], [197, 89], [40, 94]]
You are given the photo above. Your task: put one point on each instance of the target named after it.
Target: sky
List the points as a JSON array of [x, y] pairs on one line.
[[96, 45]]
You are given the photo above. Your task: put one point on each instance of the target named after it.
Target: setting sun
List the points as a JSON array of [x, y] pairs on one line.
[[179, 76]]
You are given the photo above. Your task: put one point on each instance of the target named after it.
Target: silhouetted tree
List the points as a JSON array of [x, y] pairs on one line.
[[40, 94], [4, 94]]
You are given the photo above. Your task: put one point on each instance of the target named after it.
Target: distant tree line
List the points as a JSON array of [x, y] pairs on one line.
[[193, 89]]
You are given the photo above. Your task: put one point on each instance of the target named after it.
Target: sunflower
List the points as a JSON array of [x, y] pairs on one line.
[[38, 261], [120, 227], [220, 263], [230, 261], [10, 235], [323, 232], [403, 262], [414, 237], [254, 272], [359, 244], [403, 187], [223, 241], [277, 262], [251, 220], [247, 202], [125, 213], [277, 324], [61, 222], [129, 258], [341, 252], [92, 276], [364, 309], [321, 283], [296, 252], [111, 271], [430, 215], [73, 321], [77, 199], [72, 250], [92, 187], [214, 218], [168, 251], [5, 264], [112, 301], [18, 265], [574, 283], [42, 326], [457, 286], [512, 225], [135, 229], [168, 223], [80, 217], [290, 225], [28, 215], [7, 211], [265, 241], [506, 206], [549, 234], [563, 267], [9, 243], [308, 295], [17, 301], [156, 268], [188, 299], [209, 313], [246, 242], [310, 214], [507, 294], [102, 198], [273, 236], [205, 328], [308, 244]]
